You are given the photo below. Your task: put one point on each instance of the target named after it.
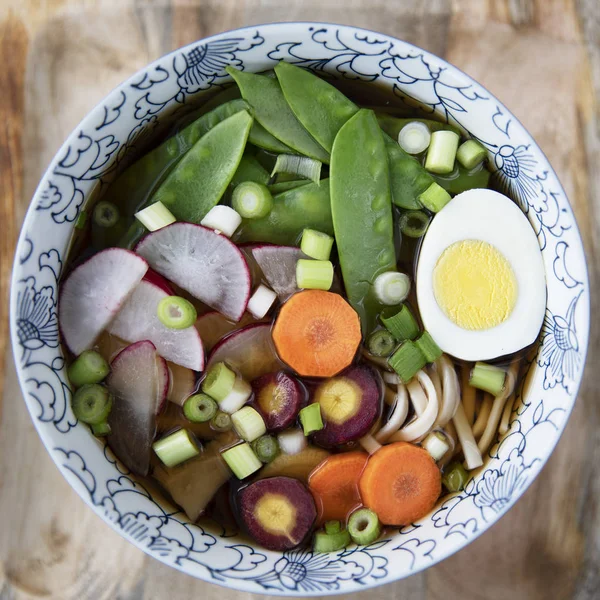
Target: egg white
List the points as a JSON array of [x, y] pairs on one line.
[[491, 217]]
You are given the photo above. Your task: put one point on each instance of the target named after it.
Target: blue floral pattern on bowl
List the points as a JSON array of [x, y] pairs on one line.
[[118, 129]]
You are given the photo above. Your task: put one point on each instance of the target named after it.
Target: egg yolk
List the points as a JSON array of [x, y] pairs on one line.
[[474, 285]]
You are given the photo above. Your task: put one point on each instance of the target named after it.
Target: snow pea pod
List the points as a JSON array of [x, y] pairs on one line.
[[272, 111], [319, 106], [260, 137], [393, 125], [461, 179], [361, 208], [203, 174], [293, 211], [225, 95], [284, 186], [250, 169]]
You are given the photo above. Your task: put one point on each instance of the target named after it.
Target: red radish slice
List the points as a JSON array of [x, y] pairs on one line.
[[163, 382], [160, 281], [183, 384], [278, 264], [203, 263], [249, 351], [93, 294], [213, 326], [137, 380], [138, 321]]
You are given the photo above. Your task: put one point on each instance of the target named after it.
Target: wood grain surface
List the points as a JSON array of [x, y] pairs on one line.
[[60, 57]]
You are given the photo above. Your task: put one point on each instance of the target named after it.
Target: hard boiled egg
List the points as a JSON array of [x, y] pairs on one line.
[[481, 286]]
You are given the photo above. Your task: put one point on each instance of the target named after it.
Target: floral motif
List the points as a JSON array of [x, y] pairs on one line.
[[37, 324]]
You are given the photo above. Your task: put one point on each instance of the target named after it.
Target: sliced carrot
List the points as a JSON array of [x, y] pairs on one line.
[[334, 485], [401, 483], [317, 333]]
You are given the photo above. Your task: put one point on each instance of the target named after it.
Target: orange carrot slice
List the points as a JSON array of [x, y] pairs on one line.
[[401, 483], [317, 333], [334, 485]]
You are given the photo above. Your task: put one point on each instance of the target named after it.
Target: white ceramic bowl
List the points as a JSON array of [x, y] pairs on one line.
[[118, 127]]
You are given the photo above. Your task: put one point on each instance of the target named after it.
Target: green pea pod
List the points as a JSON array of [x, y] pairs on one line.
[[260, 137], [361, 208], [272, 111], [393, 125], [293, 211], [319, 106], [250, 169], [229, 93], [284, 186], [461, 179], [203, 174]]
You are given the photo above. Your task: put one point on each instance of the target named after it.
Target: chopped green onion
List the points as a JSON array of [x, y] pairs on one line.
[[105, 214], [101, 429], [200, 408], [442, 151], [455, 477], [310, 418], [314, 274], [407, 361], [333, 527], [261, 301], [248, 423], [401, 325], [81, 220], [237, 397], [414, 223], [316, 244], [252, 200], [381, 343], [436, 444], [414, 137], [242, 460], [470, 154], [435, 197], [92, 403], [218, 382], [176, 312], [330, 542], [88, 367], [176, 448], [302, 166], [364, 526], [428, 347], [221, 422], [223, 219], [392, 288], [156, 216], [266, 448], [292, 441], [487, 377]]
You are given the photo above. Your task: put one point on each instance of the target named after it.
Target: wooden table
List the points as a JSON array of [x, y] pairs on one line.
[[60, 57]]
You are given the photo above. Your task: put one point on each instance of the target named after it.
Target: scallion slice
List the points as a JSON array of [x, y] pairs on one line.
[[252, 200], [92, 403], [156, 216], [261, 301], [330, 542], [414, 137], [221, 422], [200, 408], [407, 361], [101, 429], [310, 418], [314, 274], [219, 381], [302, 166], [242, 460], [176, 448], [455, 477], [470, 154], [333, 527], [364, 526], [414, 223], [88, 367], [381, 343], [176, 312], [291, 441], [435, 197], [266, 448], [223, 219], [105, 214], [237, 397], [316, 244], [248, 423], [428, 347], [436, 444], [401, 324], [487, 377], [392, 287], [442, 152]]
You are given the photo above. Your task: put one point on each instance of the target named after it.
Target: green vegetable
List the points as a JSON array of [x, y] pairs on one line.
[[101, 429], [81, 220], [176, 448], [316, 244], [426, 344], [272, 111], [487, 377], [392, 287], [333, 527], [314, 274], [436, 444], [470, 154], [293, 211], [414, 223], [261, 138], [414, 137], [362, 211], [248, 423], [434, 198], [330, 542], [407, 361], [242, 460], [200, 408], [310, 418], [394, 125], [455, 477], [298, 166], [381, 343], [401, 324], [92, 403], [266, 448], [221, 422], [250, 169], [461, 180], [442, 152], [252, 200], [156, 216], [319, 106], [176, 312], [364, 526], [105, 214], [219, 381], [231, 92], [201, 177], [284, 186], [88, 367]]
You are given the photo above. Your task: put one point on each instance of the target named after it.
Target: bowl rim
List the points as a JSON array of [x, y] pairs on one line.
[[30, 217]]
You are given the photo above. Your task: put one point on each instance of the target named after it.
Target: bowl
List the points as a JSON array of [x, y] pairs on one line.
[[119, 128]]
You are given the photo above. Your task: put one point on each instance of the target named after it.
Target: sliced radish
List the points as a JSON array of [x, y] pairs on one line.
[[93, 294], [137, 380], [278, 264], [160, 281], [138, 321], [183, 383], [202, 262], [213, 326], [249, 351]]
